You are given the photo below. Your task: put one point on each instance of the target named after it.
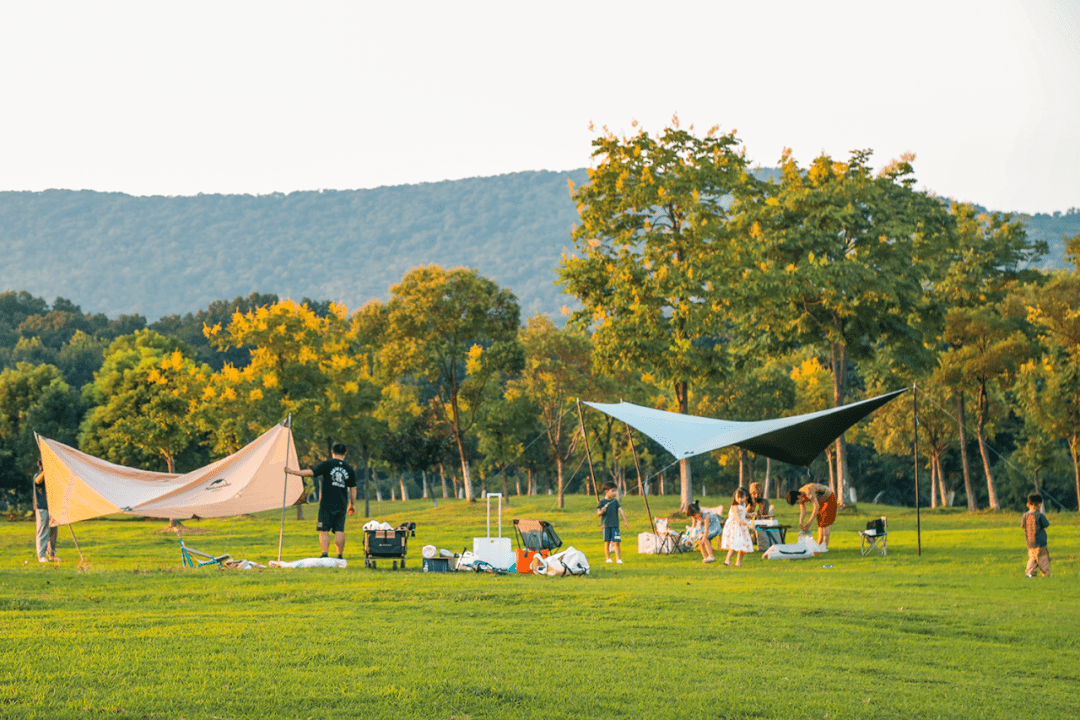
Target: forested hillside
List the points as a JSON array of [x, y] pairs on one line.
[[118, 254], [154, 256]]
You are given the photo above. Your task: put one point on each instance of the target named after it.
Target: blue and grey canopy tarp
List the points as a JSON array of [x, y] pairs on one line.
[[796, 440]]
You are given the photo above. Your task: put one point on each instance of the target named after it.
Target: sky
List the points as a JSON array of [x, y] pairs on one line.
[[181, 98]]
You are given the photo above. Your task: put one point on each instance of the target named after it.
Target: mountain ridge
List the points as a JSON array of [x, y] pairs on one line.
[[160, 255]]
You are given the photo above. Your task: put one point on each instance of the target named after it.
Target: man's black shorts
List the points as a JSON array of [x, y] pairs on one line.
[[330, 521]]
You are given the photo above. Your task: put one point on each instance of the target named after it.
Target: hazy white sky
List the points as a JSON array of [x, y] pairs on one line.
[[257, 97]]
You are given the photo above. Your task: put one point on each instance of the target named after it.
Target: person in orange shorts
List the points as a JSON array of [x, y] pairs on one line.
[[824, 501]]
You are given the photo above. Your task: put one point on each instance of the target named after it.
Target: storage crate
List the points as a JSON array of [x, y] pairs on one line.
[[437, 564]]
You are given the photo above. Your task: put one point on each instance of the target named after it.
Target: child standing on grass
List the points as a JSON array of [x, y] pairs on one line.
[[609, 511], [1035, 524], [736, 537]]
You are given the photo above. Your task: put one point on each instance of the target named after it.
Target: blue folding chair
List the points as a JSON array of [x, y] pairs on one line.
[[189, 559]]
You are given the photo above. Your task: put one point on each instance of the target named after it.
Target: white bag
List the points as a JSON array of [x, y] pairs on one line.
[[570, 561], [319, 562], [465, 562], [805, 547]]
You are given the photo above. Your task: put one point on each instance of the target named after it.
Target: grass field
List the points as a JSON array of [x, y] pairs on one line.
[[958, 632]]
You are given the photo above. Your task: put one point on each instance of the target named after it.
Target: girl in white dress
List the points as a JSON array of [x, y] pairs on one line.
[[736, 537]]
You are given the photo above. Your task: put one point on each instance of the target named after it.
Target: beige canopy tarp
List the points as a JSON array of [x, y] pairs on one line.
[[80, 486]]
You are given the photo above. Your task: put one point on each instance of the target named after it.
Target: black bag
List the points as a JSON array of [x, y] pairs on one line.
[[877, 526], [533, 540]]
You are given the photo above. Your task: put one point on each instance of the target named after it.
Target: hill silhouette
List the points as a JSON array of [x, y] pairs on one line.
[[119, 254]]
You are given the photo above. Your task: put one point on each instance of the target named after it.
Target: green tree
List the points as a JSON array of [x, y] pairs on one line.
[[1049, 387], [990, 255], [33, 398], [844, 257], [987, 347], [558, 370], [458, 331], [654, 241], [144, 396], [301, 365]]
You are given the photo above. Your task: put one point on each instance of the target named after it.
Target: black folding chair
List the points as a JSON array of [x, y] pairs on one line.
[[875, 537]]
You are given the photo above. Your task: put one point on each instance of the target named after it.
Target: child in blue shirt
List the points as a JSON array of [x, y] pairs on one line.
[[609, 511]]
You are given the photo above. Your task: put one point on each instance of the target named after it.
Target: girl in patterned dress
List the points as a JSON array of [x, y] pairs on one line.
[[736, 537]]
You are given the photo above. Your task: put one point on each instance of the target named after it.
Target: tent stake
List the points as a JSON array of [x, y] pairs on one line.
[[588, 453], [285, 489], [641, 484]]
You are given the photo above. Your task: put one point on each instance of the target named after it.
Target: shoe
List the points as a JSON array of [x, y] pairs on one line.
[[618, 562], [609, 560], [727, 563], [45, 560], [339, 557], [323, 555], [1026, 576], [709, 560]]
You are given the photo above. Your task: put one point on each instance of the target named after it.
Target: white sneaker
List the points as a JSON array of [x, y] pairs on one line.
[[609, 560], [619, 561], [45, 560]]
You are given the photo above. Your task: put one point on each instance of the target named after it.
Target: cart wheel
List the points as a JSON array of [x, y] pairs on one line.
[[395, 564], [402, 563], [372, 564]]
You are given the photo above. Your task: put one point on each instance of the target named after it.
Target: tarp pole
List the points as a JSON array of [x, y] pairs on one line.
[[284, 490], [641, 483], [588, 453], [82, 560], [918, 503]]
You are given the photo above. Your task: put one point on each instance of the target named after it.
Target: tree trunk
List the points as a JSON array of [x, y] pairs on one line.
[[506, 488], [832, 469], [980, 433], [839, 368], [378, 491], [367, 488], [559, 475], [768, 479], [940, 480], [742, 468], [442, 479], [845, 489], [933, 483], [393, 496], [404, 489], [530, 481], [969, 486], [686, 490], [1074, 447], [423, 484]]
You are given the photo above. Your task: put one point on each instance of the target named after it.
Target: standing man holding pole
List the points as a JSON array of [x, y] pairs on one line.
[[337, 496], [46, 536]]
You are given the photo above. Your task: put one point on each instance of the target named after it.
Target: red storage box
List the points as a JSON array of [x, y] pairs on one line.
[[524, 559]]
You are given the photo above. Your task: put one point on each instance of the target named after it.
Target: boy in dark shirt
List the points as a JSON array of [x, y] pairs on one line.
[[609, 511], [1035, 524], [338, 488]]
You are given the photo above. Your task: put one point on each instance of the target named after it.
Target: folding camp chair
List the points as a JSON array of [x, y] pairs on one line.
[[187, 556], [536, 535], [875, 537]]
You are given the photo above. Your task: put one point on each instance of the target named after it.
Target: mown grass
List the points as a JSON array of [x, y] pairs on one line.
[[957, 632]]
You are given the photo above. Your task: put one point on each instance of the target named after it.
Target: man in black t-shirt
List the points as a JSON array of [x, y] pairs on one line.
[[337, 497]]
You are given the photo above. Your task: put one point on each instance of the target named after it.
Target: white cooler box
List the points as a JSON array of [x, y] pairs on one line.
[[496, 551]]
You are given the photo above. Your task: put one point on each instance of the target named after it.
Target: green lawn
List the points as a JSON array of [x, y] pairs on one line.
[[958, 632]]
